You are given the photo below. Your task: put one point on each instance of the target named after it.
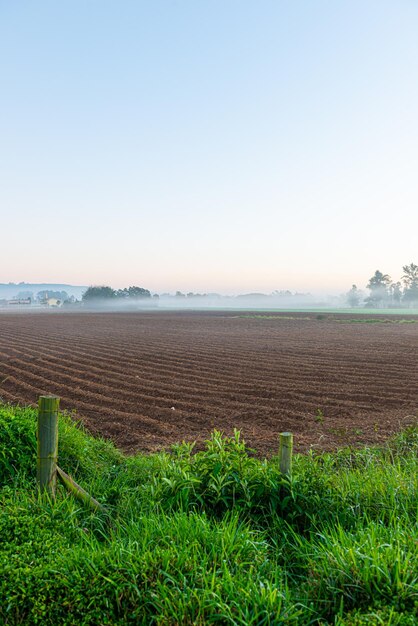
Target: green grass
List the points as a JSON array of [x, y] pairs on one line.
[[340, 320], [216, 537], [334, 311], [374, 320]]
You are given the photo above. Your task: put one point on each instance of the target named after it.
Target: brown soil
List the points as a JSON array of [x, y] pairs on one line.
[[148, 380]]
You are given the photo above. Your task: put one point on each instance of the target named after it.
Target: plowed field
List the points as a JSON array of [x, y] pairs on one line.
[[148, 380]]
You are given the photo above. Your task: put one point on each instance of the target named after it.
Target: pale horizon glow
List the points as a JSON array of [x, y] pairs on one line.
[[208, 147]]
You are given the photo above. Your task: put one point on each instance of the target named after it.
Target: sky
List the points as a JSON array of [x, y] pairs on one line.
[[211, 145]]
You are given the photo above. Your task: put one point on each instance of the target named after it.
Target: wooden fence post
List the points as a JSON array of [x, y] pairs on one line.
[[47, 443], [78, 491], [285, 453]]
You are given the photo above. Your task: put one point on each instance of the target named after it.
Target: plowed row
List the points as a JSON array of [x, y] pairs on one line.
[[148, 380]]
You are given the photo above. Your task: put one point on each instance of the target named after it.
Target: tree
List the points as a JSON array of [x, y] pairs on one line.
[[353, 296], [43, 296], [395, 291], [138, 292], [378, 285], [24, 295], [133, 292], [282, 293], [101, 292], [70, 301], [410, 281]]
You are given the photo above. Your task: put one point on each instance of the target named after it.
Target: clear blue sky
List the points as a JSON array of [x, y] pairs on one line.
[[208, 145]]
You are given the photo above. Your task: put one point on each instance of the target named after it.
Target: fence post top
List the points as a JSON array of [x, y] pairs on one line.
[[48, 403]]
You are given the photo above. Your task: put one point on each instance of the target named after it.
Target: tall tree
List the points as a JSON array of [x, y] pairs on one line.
[[395, 290], [353, 296], [378, 285], [410, 281]]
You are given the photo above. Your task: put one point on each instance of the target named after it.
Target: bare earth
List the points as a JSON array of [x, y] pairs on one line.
[[148, 380]]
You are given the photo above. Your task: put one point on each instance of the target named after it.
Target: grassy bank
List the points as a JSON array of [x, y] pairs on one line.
[[215, 537]]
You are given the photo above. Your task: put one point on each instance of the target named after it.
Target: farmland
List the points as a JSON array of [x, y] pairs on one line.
[[152, 379]]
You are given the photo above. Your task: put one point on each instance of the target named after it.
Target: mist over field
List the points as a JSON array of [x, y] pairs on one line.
[[28, 297], [243, 301], [11, 293]]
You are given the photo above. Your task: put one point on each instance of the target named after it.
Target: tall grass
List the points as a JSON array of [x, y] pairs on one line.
[[216, 537]]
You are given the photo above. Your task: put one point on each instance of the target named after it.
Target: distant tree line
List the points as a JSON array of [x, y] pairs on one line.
[[104, 292], [384, 292]]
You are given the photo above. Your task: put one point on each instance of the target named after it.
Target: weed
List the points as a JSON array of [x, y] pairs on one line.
[[215, 536]]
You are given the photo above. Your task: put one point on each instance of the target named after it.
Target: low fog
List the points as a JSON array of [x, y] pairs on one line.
[[381, 292], [26, 297]]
